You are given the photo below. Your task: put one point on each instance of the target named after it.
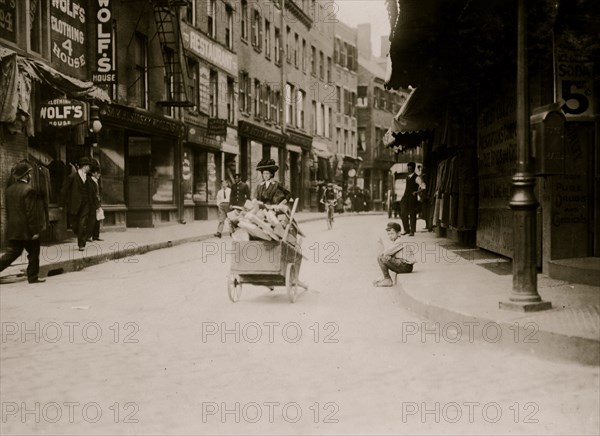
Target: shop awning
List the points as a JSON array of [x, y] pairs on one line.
[[28, 70], [417, 119], [320, 149]]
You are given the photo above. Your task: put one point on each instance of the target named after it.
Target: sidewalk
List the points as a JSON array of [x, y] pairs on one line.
[[452, 286], [65, 257]]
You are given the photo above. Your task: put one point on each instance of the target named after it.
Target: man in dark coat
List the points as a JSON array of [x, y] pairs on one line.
[[77, 197], [240, 192], [24, 225], [409, 201], [93, 222]]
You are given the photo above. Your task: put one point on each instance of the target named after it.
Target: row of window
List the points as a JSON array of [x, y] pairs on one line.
[[345, 55], [260, 99], [346, 102], [346, 142], [382, 99]]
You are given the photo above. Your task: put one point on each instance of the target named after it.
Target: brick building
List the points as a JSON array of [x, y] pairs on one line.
[[177, 95], [345, 61], [46, 101], [376, 109]]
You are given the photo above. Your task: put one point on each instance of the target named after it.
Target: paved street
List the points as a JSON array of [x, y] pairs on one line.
[[152, 345]]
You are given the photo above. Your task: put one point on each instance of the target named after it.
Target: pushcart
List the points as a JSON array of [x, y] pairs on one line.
[[266, 263]]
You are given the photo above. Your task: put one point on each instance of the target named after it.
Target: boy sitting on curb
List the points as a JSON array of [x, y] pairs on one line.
[[395, 256]]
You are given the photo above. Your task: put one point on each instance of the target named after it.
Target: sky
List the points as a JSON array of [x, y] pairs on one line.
[[353, 12]]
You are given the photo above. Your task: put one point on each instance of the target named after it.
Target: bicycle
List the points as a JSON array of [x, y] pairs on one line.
[[329, 208]]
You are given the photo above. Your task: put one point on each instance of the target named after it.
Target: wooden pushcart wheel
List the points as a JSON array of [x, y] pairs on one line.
[[290, 282], [234, 287]]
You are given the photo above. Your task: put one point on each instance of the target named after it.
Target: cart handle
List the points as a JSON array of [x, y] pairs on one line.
[[289, 226]]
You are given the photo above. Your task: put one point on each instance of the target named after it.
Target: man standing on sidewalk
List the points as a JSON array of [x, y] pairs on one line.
[[76, 196], [239, 192], [223, 199], [96, 212], [23, 229], [409, 201]]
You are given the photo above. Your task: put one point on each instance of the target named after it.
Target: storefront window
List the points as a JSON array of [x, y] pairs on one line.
[[256, 155], [46, 150], [212, 185], [200, 176], [111, 156], [187, 172], [162, 171], [139, 183]]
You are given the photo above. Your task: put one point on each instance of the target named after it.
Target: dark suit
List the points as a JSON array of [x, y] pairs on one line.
[[23, 224], [76, 196], [409, 204], [93, 223], [274, 194], [239, 194]]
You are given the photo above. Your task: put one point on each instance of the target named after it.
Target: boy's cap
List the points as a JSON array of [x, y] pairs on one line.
[[394, 226]]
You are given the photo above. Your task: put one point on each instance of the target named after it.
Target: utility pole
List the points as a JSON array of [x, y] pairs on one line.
[[524, 296]]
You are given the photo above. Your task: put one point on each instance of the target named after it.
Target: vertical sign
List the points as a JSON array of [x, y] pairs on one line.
[[8, 20], [104, 72], [67, 21]]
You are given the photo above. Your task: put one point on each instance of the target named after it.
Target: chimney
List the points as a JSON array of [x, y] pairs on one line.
[[364, 40], [385, 46]]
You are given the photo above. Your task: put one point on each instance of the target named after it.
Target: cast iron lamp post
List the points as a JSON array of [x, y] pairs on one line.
[[524, 296]]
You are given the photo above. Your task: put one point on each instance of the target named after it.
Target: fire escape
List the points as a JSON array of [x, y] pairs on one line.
[[167, 18]]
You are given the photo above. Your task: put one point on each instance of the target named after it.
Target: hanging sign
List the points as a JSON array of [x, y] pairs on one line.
[[575, 85], [67, 21], [217, 127], [62, 113], [105, 71]]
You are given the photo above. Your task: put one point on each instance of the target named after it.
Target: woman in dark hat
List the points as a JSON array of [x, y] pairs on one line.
[[270, 191]]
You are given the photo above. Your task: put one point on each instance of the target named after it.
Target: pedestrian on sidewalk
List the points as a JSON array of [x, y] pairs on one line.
[[223, 199], [23, 224], [76, 197], [96, 213], [409, 201], [240, 192], [396, 256]]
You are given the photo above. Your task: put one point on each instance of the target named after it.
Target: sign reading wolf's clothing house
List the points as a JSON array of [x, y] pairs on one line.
[[68, 42], [8, 20], [105, 72], [62, 113]]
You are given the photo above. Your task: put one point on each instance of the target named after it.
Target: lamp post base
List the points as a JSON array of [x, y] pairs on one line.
[[515, 306]]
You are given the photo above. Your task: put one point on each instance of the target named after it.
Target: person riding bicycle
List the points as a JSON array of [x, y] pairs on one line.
[[329, 197]]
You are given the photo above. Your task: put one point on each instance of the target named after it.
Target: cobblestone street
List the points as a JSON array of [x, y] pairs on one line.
[[152, 345]]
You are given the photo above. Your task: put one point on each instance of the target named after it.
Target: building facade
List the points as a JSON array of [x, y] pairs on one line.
[[476, 151], [176, 96], [376, 109], [48, 105], [345, 59]]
